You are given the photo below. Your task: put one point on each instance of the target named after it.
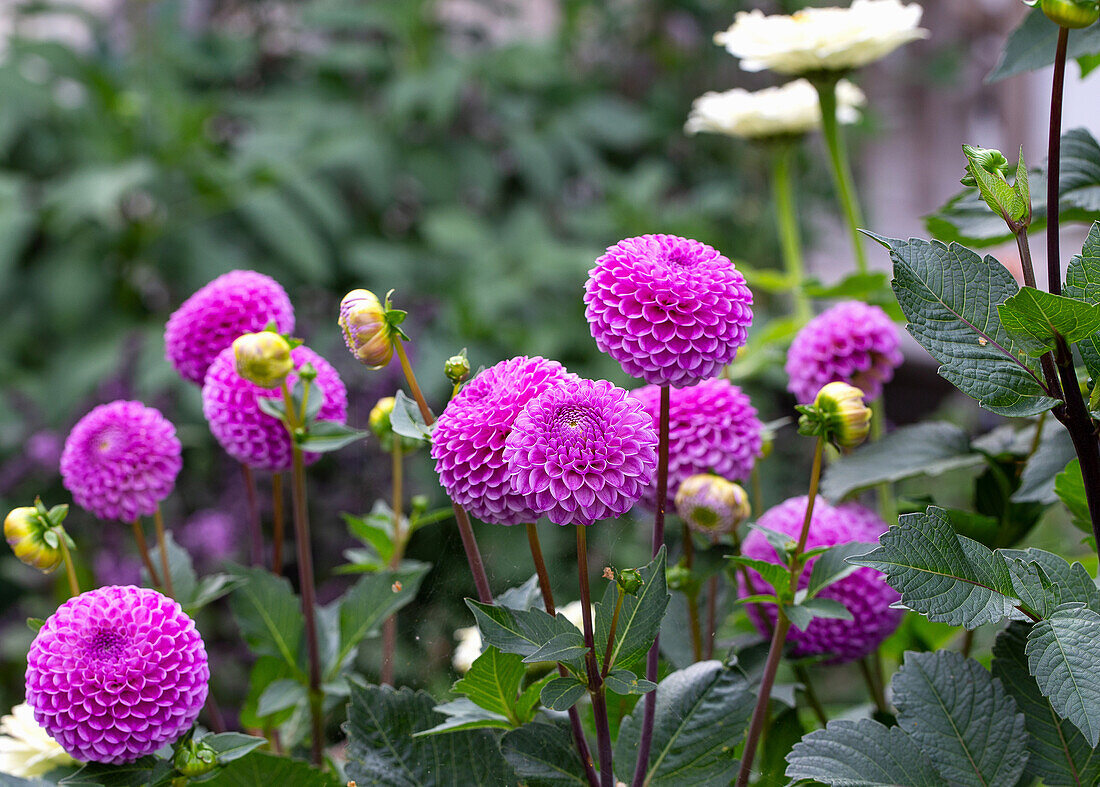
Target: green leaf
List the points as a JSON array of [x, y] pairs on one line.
[[462, 714], [944, 576], [801, 615], [996, 193], [561, 694], [833, 565], [1032, 46], [543, 755], [493, 682], [1083, 282], [1060, 755], [528, 701], [955, 710], [273, 406], [261, 768], [624, 682], [35, 624], [931, 448], [1063, 653], [139, 773], [269, 615], [563, 648], [702, 714], [520, 631], [775, 574], [406, 419], [1037, 319], [326, 436], [232, 746], [949, 295], [281, 695], [639, 619], [180, 567], [1069, 485], [1037, 481], [382, 750], [862, 753], [266, 671], [1073, 581]]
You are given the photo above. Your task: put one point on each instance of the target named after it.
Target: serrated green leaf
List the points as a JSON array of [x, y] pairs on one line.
[[1060, 755], [561, 694], [702, 714], [462, 714], [1073, 581], [1036, 319], [862, 753], [997, 194], [832, 566], [1063, 654], [949, 295], [624, 682], [953, 708], [269, 615], [382, 750], [932, 449], [776, 575], [543, 755], [1032, 46], [1083, 282], [639, 620], [493, 682], [564, 647], [140, 773], [944, 576], [520, 631], [261, 768]]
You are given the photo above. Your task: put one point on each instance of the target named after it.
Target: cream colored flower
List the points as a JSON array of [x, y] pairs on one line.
[[774, 111], [822, 39], [468, 649], [25, 748], [572, 612]]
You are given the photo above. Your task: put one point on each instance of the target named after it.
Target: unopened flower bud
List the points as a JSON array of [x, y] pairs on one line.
[[680, 578], [195, 758], [457, 368], [990, 160], [26, 534], [712, 505], [1071, 14], [630, 581], [263, 358], [369, 327], [839, 414], [382, 426]]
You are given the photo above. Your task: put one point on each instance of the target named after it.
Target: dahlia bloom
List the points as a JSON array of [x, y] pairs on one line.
[[774, 111], [851, 342], [822, 39], [117, 673], [469, 438], [121, 460], [248, 434], [671, 311], [235, 303], [582, 452], [864, 592], [712, 428], [26, 750]]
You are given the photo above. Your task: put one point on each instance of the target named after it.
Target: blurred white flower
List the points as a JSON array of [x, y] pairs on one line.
[[822, 39], [468, 649], [572, 612], [25, 748], [774, 111]]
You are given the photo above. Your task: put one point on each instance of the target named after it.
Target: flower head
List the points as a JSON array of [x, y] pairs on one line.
[[864, 592], [210, 536], [582, 452], [713, 428], [117, 673], [772, 112], [26, 750], [234, 303], [370, 327], [822, 39], [248, 434], [838, 414], [262, 358], [712, 505], [671, 311], [851, 342], [469, 438], [121, 460]]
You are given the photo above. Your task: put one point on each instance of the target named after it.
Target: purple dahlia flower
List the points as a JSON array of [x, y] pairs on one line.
[[582, 452], [117, 673], [712, 428], [852, 342], [235, 303], [865, 592], [468, 443], [121, 460], [210, 536], [248, 434], [671, 311]]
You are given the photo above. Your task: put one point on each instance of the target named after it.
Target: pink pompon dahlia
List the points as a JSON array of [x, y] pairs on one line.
[[248, 434], [468, 443], [235, 303], [712, 428], [582, 452], [851, 342], [670, 310], [865, 592], [121, 460], [117, 673]]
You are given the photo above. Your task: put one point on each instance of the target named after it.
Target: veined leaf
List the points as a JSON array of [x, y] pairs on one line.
[[564, 647], [1036, 319], [520, 631], [776, 575], [269, 614], [1063, 653], [1037, 480], [543, 755], [493, 682], [624, 682], [1032, 45], [639, 619], [462, 714], [1083, 282], [832, 566], [1069, 485], [561, 694], [263, 768], [862, 753]]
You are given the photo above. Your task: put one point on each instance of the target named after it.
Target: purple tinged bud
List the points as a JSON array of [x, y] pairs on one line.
[[368, 331], [711, 505]]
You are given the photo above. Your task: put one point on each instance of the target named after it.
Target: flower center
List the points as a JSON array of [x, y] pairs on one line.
[[108, 441], [106, 644], [576, 421]]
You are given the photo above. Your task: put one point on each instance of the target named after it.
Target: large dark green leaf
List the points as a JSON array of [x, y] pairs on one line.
[[1083, 281], [1037, 319], [953, 708], [493, 682], [1063, 653], [639, 619], [261, 768], [1037, 481], [950, 297], [1060, 755], [1032, 46], [862, 753], [520, 631], [543, 755], [702, 713], [269, 614], [382, 750]]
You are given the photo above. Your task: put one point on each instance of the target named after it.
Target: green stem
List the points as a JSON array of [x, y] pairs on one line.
[[162, 545], [595, 684], [611, 634], [786, 219], [803, 676], [692, 598], [70, 568], [873, 686], [842, 171], [143, 549], [886, 507], [389, 628]]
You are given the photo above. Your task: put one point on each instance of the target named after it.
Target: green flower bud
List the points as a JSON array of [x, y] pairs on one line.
[[370, 327], [990, 160], [381, 425], [629, 581], [457, 368], [681, 579], [839, 414], [195, 758], [33, 539], [1071, 13], [263, 358], [712, 505]]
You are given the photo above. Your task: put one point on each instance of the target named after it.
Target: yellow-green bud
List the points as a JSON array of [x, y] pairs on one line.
[[1072, 14], [457, 368], [195, 759], [630, 581], [263, 358], [712, 505], [26, 534], [382, 426], [681, 579], [838, 413], [369, 328]]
